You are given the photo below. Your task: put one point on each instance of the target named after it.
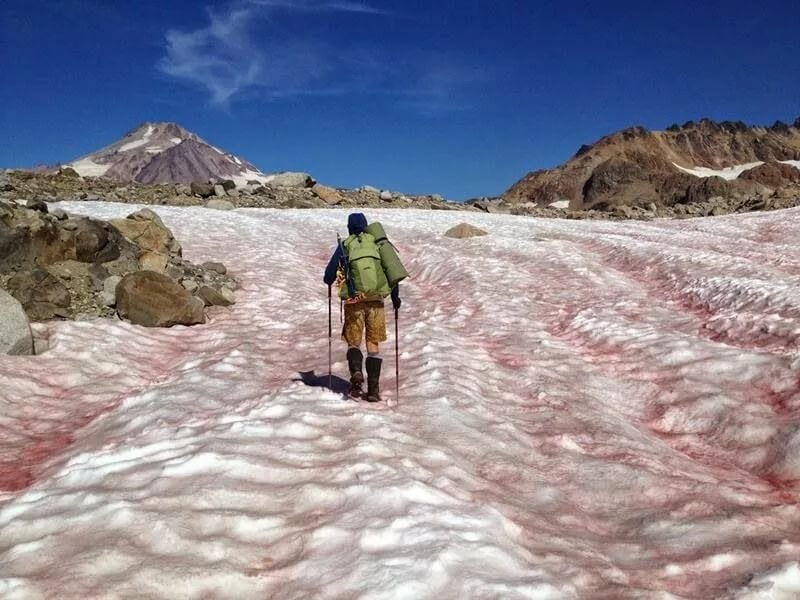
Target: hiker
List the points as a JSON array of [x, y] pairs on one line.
[[356, 267]]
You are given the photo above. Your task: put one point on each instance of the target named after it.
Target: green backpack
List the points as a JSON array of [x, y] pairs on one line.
[[364, 265]]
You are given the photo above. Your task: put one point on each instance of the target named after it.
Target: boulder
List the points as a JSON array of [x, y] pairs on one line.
[[228, 184], [154, 300], [38, 205], [216, 267], [146, 229], [464, 230], [215, 297], [292, 180], [199, 188], [327, 194], [386, 195], [220, 204], [219, 191], [15, 331], [108, 296], [41, 294], [95, 241], [369, 189], [153, 261]]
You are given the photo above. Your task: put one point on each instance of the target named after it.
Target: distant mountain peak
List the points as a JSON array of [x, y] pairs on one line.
[[158, 152]]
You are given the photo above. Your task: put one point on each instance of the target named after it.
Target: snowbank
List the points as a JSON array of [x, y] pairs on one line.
[[587, 409]]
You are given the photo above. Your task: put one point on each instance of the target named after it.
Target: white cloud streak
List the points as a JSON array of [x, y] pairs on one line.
[[242, 51]]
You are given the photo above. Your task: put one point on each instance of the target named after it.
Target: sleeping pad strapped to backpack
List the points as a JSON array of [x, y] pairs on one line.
[[394, 269]]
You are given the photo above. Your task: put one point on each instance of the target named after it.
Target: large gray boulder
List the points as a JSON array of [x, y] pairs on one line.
[[154, 300], [292, 180], [15, 332]]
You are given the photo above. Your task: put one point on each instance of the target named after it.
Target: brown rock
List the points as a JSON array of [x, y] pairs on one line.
[[214, 297], [327, 194], [41, 294], [146, 230], [153, 261], [464, 230], [154, 300]]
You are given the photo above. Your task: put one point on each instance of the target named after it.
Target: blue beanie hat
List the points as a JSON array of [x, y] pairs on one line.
[[356, 223]]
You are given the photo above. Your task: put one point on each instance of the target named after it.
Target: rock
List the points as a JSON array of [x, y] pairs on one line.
[[292, 180], [174, 272], [437, 198], [146, 229], [327, 194], [220, 204], [15, 331], [464, 230], [706, 188], [153, 261], [5, 184], [233, 193], [295, 202], [189, 285], [219, 191], [217, 267], [41, 294], [69, 172], [386, 195], [228, 184], [60, 214], [154, 300], [370, 189], [37, 205], [199, 188], [214, 297], [95, 241], [108, 296], [40, 345], [182, 189]]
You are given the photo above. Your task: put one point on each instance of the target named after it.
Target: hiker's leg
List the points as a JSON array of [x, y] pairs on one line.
[[352, 332], [375, 333]]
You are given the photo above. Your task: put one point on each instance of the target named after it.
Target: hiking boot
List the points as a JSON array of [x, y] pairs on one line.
[[373, 376], [354, 358]]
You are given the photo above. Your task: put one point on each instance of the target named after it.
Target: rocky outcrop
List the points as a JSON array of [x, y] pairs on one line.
[[154, 300], [636, 167], [67, 266], [15, 331]]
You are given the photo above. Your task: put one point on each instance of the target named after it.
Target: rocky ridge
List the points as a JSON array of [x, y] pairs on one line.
[[685, 164], [706, 198]]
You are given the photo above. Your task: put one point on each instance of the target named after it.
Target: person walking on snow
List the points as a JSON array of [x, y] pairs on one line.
[[356, 267]]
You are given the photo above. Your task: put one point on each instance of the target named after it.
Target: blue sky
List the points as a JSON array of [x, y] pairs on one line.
[[460, 98]]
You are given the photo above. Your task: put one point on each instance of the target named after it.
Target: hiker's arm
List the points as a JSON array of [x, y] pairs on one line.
[[396, 302], [330, 271]]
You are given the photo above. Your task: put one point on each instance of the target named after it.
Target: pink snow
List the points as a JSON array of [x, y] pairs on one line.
[[587, 410]]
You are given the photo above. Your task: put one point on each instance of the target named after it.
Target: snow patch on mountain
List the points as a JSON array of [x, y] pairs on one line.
[[729, 173], [86, 167], [794, 163]]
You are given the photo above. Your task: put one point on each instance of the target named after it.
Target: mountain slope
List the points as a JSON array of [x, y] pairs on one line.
[[637, 166], [165, 153]]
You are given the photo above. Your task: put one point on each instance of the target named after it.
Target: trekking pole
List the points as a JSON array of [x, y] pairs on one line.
[[330, 337], [396, 359]]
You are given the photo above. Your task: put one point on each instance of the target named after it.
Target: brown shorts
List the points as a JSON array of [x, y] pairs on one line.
[[361, 315]]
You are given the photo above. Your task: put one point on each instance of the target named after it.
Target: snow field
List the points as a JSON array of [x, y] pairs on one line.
[[587, 410]]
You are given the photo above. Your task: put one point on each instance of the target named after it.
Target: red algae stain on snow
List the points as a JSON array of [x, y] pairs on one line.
[[20, 467]]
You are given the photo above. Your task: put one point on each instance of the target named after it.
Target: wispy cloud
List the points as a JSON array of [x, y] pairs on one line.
[[244, 51]]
